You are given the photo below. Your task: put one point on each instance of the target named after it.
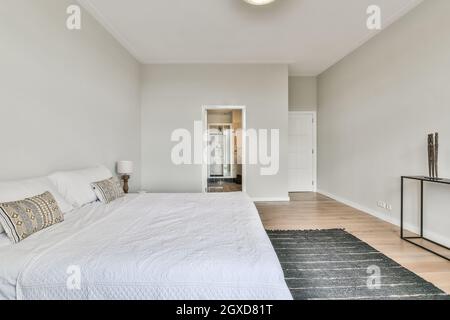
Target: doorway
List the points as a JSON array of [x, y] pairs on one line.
[[302, 152], [223, 168]]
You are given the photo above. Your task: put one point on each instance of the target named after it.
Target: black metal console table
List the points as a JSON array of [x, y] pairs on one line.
[[422, 180]]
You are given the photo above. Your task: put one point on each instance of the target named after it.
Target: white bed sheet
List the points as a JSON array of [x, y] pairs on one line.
[[4, 240], [150, 246]]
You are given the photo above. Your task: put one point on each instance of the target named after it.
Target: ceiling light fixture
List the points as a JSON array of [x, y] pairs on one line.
[[259, 2]]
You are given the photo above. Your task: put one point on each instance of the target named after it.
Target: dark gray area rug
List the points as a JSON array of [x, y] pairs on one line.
[[333, 264]]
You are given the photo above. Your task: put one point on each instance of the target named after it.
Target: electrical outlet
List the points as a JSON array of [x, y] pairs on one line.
[[384, 205]]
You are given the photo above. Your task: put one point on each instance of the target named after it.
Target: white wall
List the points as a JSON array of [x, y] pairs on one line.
[[173, 96], [302, 93], [69, 99], [376, 108]]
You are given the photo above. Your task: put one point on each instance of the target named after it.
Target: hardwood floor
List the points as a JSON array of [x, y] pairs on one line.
[[315, 211]]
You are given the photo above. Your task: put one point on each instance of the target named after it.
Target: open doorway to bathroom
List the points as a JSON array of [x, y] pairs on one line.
[[223, 170]]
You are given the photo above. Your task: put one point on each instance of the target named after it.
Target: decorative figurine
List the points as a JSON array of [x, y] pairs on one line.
[[430, 155], [433, 155], [436, 155]]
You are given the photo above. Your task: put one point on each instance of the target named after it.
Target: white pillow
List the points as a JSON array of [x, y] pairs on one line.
[[22, 189], [75, 186]]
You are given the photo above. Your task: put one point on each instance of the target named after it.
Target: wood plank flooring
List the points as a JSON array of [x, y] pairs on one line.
[[315, 211]]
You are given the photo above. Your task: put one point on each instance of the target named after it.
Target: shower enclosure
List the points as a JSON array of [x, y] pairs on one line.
[[220, 151]]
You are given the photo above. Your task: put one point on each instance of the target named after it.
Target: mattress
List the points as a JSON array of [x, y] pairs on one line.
[[148, 246]]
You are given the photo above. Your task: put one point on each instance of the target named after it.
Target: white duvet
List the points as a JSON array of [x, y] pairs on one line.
[[152, 246]]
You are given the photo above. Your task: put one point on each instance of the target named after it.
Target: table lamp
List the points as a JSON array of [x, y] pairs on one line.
[[125, 169]]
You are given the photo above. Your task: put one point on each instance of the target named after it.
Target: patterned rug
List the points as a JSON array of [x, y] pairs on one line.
[[333, 264]]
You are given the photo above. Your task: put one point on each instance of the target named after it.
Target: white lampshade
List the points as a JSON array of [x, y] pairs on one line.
[[259, 2], [125, 167]]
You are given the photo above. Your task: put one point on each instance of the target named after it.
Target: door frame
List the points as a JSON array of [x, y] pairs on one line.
[[205, 109], [314, 142]]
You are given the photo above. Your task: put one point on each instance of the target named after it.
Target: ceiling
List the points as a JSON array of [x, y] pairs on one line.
[[308, 35]]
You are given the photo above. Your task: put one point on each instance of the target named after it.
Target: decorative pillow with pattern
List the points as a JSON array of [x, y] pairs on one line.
[[21, 219], [108, 190]]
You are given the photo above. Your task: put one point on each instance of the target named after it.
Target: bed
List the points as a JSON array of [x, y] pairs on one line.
[[148, 246]]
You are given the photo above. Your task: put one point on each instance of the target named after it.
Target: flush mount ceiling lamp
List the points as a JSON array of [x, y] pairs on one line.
[[259, 2]]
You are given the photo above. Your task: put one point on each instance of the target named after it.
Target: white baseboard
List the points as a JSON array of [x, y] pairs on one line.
[[385, 217], [281, 199], [379, 215]]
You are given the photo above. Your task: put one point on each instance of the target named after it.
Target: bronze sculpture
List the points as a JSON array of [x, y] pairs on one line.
[[433, 155], [436, 155]]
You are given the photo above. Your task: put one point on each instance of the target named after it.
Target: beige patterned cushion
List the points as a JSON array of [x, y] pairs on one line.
[[108, 190], [21, 219]]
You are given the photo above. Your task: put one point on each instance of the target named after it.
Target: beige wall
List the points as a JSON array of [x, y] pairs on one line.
[[302, 93], [69, 99], [172, 98], [376, 108]]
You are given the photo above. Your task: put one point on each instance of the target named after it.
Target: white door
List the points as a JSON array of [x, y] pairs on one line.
[[301, 152]]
